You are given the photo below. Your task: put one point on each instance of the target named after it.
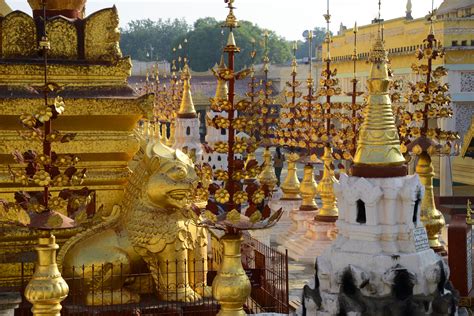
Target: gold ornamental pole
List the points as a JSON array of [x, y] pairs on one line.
[[430, 216], [308, 189], [328, 209], [46, 289], [231, 287], [268, 176], [291, 184]]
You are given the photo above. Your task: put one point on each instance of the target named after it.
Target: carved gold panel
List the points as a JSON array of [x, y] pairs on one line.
[[102, 35], [63, 37], [18, 35]]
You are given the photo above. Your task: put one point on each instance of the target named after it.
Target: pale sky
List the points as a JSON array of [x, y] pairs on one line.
[[287, 17]]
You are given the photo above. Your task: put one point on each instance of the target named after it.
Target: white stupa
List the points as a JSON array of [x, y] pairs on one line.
[[213, 135], [380, 263], [186, 137]]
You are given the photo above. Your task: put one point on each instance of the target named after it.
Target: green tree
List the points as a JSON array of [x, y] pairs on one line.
[[303, 46], [206, 40], [152, 40]]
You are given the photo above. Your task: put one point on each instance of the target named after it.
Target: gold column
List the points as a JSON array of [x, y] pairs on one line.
[[231, 287], [46, 288], [291, 184], [326, 187], [268, 176], [308, 190], [431, 218]]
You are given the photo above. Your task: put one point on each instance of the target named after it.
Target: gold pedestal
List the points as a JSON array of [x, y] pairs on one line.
[[268, 176], [308, 190], [46, 289], [231, 287], [431, 218], [328, 211], [291, 184]]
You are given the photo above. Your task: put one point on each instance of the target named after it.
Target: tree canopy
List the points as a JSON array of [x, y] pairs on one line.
[[155, 40]]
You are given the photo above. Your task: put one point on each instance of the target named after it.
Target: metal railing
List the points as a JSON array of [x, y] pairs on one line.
[[267, 270]]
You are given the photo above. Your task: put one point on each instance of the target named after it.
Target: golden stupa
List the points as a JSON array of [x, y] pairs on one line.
[[379, 144], [221, 89], [186, 108]]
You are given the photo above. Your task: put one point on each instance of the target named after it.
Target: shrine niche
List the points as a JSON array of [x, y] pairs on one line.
[[102, 35], [18, 35], [64, 39]]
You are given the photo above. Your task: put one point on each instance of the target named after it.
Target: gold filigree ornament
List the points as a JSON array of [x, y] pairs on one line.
[[210, 216], [44, 115], [42, 178], [240, 197], [28, 120], [233, 216], [255, 217], [222, 196]]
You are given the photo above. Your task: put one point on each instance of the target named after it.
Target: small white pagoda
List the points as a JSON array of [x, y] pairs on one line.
[[380, 263], [187, 123]]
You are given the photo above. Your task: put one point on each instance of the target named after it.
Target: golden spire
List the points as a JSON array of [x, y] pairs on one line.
[[221, 90], [378, 143], [186, 109]]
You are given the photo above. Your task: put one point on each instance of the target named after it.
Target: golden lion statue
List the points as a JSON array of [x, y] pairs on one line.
[[154, 226]]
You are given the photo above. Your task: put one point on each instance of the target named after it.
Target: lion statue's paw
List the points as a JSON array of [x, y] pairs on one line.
[[204, 291], [187, 295], [120, 296]]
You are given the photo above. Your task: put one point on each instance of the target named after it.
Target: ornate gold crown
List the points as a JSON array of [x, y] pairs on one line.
[[58, 4]]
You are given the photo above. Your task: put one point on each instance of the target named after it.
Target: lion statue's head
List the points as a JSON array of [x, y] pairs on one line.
[[171, 177]]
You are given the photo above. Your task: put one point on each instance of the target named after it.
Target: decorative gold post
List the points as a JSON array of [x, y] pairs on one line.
[[328, 210], [268, 176], [231, 287], [308, 189], [291, 184], [431, 217], [46, 289]]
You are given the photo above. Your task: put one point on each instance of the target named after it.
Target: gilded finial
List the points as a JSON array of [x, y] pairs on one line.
[[378, 143], [186, 109], [221, 90], [231, 21]]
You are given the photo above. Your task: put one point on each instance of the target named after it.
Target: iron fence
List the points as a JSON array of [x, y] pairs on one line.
[[103, 290]]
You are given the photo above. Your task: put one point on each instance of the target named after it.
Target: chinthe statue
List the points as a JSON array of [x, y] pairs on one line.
[[155, 226]]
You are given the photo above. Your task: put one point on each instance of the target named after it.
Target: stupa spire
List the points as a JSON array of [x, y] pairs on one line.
[[378, 143], [221, 90], [186, 109]]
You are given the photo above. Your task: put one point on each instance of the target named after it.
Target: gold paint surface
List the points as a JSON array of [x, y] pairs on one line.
[[154, 225], [378, 142], [231, 286], [326, 187], [308, 189], [430, 216], [268, 176], [291, 184], [46, 289]]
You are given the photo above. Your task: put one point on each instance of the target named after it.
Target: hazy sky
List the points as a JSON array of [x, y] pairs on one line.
[[287, 17]]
